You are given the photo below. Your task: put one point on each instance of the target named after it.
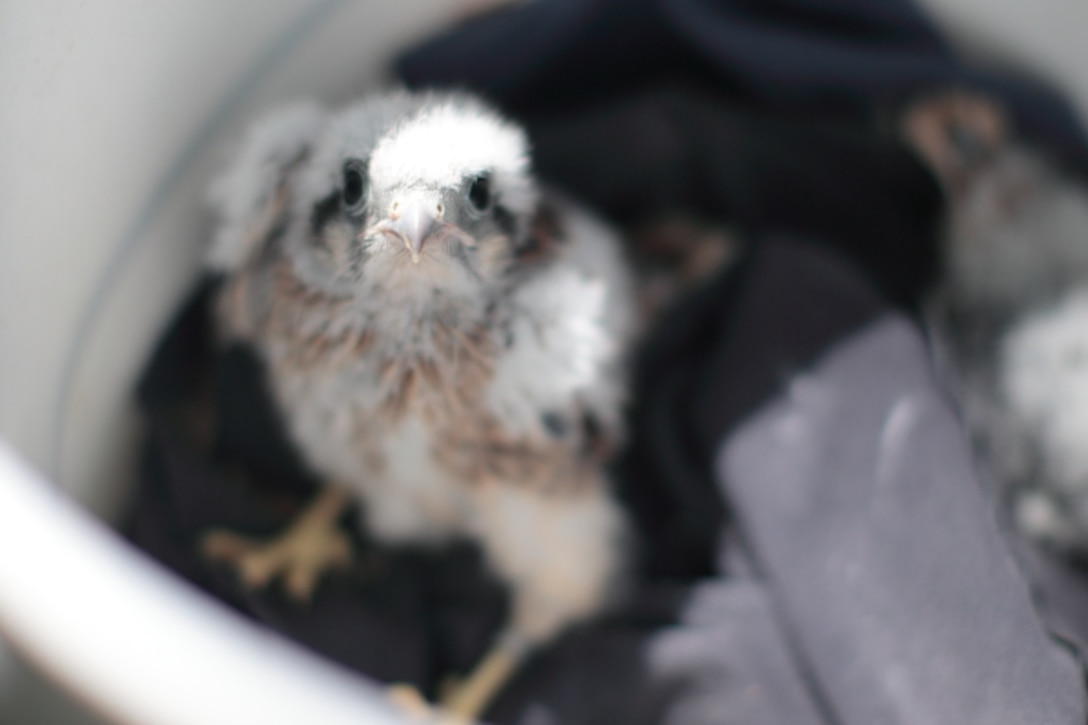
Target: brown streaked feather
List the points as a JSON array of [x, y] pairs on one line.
[[483, 453], [447, 391]]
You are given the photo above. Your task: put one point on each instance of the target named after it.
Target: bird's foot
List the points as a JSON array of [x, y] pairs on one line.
[[416, 709], [461, 702], [312, 545]]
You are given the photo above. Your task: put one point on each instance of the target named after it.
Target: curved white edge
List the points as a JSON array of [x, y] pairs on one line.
[[139, 645]]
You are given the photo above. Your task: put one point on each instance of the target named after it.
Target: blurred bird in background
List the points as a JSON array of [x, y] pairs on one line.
[[446, 343], [1010, 316]]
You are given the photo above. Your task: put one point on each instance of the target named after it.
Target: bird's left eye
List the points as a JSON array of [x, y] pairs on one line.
[[480, 192], [353, 188]]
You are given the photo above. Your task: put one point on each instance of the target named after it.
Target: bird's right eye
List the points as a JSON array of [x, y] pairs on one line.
[[479, 193], [353, 188]]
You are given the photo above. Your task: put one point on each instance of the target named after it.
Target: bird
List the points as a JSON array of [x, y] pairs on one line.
[[1008, 316], [447, 341]]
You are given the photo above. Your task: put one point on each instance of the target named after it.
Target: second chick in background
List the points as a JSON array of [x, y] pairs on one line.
[[1009, 316]]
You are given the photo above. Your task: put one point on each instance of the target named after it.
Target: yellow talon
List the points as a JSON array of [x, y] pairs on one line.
[[307, 549]]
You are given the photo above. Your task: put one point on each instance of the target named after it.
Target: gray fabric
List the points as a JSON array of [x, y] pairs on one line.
[[1060, 592], [734, 667], [854, 493]]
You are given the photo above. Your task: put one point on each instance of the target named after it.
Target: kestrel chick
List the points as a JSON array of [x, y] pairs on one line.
[[446, 343]]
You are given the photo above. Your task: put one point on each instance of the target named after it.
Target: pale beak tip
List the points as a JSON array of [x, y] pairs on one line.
[[412, 250], [415, 223]]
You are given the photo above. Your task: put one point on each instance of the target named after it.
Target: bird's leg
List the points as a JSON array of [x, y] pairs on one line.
[[561, 555], [467, 700], [311, 545]]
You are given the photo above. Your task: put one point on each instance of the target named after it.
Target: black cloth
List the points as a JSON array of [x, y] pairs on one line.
[[815, 547], [681, 147], [815, 58]]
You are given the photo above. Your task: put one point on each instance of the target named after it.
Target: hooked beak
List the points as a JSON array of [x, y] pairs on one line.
[[414, 221]]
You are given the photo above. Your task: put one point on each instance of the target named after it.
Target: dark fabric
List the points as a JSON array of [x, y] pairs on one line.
[[813, 58], [669, 148]]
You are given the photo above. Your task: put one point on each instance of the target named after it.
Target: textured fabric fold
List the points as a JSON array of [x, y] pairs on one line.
[[854, 493]]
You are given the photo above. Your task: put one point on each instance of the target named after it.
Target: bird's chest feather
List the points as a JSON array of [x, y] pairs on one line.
[[385, 408], [376, 423], [413, 422], [415, 436]]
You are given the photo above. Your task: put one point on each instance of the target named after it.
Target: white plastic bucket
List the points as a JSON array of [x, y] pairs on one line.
[[113, 116]]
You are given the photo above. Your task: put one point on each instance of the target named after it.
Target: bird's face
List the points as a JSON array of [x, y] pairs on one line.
[[435, 197]]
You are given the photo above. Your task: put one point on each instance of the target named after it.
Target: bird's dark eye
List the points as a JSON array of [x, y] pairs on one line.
[[353, 188], [480, 192]]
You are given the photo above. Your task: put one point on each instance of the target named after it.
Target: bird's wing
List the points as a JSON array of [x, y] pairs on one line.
[[571, 324], [250, 195]]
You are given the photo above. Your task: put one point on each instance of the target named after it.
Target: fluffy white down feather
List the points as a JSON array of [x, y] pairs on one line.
[[1043, 376], [269, 147], [572, 326]]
